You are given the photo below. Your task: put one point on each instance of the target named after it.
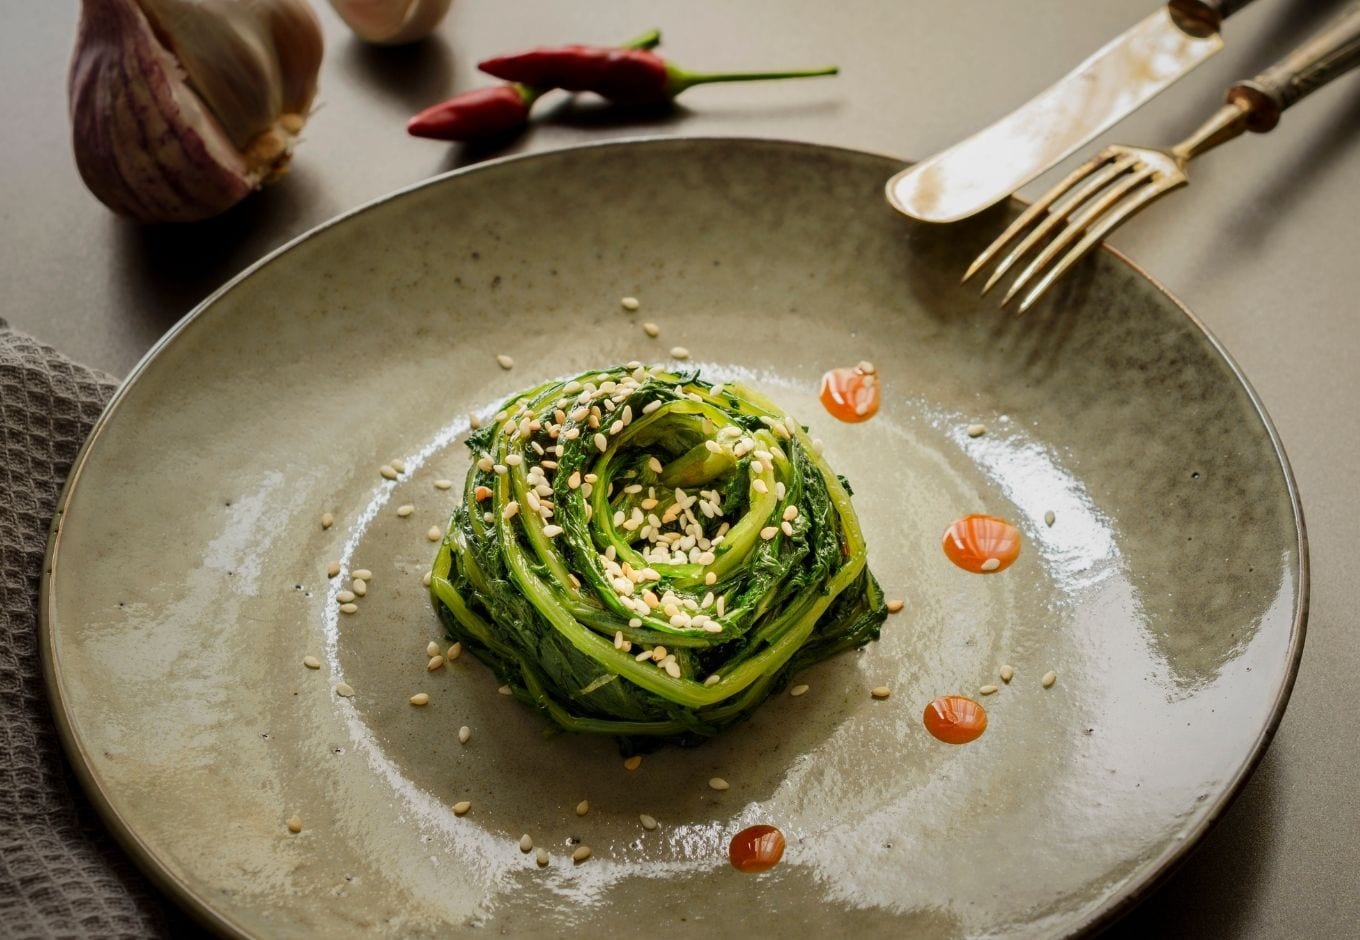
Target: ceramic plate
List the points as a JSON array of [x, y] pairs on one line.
[[188, 572]]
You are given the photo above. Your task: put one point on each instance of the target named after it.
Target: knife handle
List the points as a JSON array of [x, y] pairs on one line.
[[1203, 17], [1322, 58]]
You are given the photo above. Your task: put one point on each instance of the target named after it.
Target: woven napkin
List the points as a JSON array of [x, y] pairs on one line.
[[61, 874]]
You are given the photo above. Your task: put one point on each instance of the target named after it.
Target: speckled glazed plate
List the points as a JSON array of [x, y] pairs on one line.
[[187, 572]]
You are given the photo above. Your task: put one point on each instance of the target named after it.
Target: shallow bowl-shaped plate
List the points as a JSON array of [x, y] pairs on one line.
[[188, 572]]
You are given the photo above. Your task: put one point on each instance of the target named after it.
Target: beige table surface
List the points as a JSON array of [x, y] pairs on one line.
[[1265, 247]]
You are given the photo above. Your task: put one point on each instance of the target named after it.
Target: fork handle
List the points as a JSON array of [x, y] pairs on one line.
[[1327, 55]]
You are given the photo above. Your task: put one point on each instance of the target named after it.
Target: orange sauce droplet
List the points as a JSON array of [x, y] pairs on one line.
[[756, 849], [852, 394], [982, 544], [954, 719]]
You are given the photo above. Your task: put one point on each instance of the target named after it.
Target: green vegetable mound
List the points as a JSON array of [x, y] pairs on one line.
[[632, 510]]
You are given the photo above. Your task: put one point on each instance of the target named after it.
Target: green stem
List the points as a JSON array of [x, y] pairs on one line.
[[677, 79]]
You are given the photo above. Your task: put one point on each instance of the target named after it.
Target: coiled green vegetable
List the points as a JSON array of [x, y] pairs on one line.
[[643, 554]]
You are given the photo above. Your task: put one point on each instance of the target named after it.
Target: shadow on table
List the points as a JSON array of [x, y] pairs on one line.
[[414, 76], [1214, 892]]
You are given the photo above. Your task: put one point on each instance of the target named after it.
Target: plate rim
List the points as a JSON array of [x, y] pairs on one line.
[[1159, 869]]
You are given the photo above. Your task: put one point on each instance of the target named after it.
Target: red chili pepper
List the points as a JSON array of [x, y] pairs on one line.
[[633, 76], [486, 112]]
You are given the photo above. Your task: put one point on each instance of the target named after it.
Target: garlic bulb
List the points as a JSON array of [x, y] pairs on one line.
[[181, 108], [391, 22]]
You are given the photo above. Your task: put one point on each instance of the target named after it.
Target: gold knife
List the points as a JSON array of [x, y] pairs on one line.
[[1117, 80]]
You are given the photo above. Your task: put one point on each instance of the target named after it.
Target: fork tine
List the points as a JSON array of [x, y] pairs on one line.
[[1075, 228], [1035, 210], [1094, 235], [1095, 184]]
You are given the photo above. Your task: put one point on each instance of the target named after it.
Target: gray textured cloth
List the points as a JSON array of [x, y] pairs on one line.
[[61, 874]]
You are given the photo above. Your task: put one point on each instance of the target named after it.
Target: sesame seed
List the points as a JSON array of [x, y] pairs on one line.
[[786, 527], [295, 824], [1049, 518], [454, 652], [387, 472], [630, 304], [552, 531], [420, 698], [311, 662], [651, 406], [485, 464], [349, 608], [1007, 673], [679, 352], [505, 362], [769, 532], [363, 574], [648, 822], [344, 689], [541, 856], [332, 569], [327, 520], [511, 508], [581, 854], [582, 807], [790, 513], [464, 734], [673, 669], [513, 460], [633, 763], [988, 690], [474, 422], [880, 692], [895, 605], [433, 534], [711, 578], [359, 586], [601, 443], [798, 690], [651, 329], [407, 509], [443, 484], [713, 679], [526, 843], [426, 578], [461, 807], [991, 564], [718, 783], [1049, 678], [977, 430], [431, 648], [346, 597], [435, 662], [760, 486], [505, 690]]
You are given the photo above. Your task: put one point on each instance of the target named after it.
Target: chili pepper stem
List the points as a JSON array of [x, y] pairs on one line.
[[677, 80], [648, 40]]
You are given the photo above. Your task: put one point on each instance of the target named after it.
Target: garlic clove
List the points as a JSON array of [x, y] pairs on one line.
[[180, 108], [391, 22]]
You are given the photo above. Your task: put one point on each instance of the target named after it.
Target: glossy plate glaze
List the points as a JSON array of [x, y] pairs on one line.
[[187, 572]]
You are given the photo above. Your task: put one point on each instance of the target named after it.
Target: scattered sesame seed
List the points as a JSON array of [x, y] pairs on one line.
[[1049, 678], [880, 691], [505, 690], [332, 569], [718, 783], [420, 698], [630, 304], [435, 662], [988, 690], [454, 652], [581, 854], [651, 329], [895, 605], [541, 856], [648, 822], [679, 352], [798, 690], [552, 531], [295, 824], [461, 807], [431, 648], [363, 574], [601, 443], [713, 679], [345, 597], [311, 662], [511, 508], [760, 486], [977, 430], [387, 472], [505, 362], [344, 689], [443, 484], [349, 608], [433, 534], [359, 586], [633, 763], [711, 578], [526, 843], [582, 807], [1007, 673], [405, 510], [426, 578], [991, 564], [1049, 518], [787, 528], [672, 669], [769, 532], [327, 520]]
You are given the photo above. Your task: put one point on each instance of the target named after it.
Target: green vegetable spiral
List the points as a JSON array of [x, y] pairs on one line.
[[635, 510]]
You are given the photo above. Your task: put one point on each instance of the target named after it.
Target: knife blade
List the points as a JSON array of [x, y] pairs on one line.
[[1114, 82]]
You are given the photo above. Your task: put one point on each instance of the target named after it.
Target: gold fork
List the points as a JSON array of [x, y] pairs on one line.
[[1118, 182]]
